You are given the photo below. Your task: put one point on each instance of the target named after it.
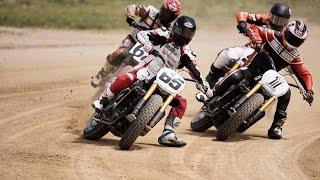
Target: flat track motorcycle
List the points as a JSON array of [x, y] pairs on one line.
[[242, 105], [136, 110]]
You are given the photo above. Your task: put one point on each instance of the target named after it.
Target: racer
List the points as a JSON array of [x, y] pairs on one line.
[[281, 47], [278, 17], [150, 18], [176, 54]]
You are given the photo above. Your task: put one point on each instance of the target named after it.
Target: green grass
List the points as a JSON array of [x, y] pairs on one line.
[[109, 14]]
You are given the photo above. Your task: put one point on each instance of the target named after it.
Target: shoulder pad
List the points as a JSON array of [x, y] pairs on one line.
[[152, 11]]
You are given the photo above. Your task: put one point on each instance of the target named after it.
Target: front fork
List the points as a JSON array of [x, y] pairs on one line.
[[234, 67], [131, 117], [248, 95], [159, 114]]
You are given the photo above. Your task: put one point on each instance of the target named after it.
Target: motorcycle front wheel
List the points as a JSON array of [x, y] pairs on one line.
[[138, 125], [244, 112]]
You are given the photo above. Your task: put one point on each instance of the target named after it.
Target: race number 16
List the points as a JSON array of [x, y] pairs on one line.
[[138, 52]]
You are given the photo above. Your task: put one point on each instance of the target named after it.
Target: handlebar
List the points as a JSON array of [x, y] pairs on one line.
[[302, 91]]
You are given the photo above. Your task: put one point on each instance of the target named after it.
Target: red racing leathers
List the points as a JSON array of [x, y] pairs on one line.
[[281, 56], [228, 56], [259, 19]]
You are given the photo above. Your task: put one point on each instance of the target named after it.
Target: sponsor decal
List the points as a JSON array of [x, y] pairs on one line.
[[282, 52], [188, 24]]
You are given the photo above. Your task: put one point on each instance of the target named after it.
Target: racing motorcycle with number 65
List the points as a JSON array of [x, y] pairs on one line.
[[147, 99]]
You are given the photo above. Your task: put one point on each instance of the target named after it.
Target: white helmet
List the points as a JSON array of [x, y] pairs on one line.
[[294, 34]]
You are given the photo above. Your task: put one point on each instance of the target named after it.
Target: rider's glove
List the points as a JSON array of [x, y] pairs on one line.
[[257, 45], [242, 26], [201, 97], [130, 20], [209, 92], [205, 89], [156, 39], [309, 97]]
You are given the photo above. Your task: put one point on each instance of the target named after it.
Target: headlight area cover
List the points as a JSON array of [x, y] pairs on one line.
[[274, 83], [170, 81]]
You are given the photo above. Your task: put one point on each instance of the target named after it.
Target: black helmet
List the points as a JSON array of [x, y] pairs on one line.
[[183, 30], [279, 16], [294, 34]]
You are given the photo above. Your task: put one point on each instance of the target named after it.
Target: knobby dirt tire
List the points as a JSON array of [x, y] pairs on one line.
[[138, 125], [94, 130], [201, 123], [230, 126]]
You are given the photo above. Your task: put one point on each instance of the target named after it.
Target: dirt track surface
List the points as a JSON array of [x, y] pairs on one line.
[[45, 97]]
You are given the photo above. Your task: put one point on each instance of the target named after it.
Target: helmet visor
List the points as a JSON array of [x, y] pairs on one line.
[[278, 21], [185, 33]]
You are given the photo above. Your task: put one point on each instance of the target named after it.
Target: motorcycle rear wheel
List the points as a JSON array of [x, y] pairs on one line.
[[201, 122], [138, 125], [231, 125], [94, 130]]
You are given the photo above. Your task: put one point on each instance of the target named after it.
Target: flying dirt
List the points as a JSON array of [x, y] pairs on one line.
[[45, 98]]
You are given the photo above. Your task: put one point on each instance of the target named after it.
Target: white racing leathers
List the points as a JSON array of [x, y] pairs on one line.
[[171, 56], [234, 54], [148, 15], [225, 60]]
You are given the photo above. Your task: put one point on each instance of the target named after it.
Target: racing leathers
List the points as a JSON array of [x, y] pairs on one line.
[[240, 54], [174, 57], [148, 20], [282, 57]]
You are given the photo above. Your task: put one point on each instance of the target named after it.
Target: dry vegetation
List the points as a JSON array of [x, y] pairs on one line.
[[108, 14]]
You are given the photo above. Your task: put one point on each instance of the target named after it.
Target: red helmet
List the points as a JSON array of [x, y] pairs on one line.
[[169, 11]]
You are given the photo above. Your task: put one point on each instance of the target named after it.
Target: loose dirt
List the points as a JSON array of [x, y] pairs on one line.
[[45, 96]]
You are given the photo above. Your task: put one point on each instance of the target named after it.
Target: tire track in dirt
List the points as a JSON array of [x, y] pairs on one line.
[[43, 91], [37, 127], [290, 159], [30, 112]]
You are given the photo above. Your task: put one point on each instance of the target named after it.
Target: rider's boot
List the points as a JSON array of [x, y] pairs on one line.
[[168, 136], [98, 79], [214, 75], [98, 104], [275, 131], [103, 99]]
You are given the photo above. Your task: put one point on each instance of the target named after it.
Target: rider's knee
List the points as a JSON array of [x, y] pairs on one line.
[[226, 56], [285, 99], [221, 60], [122, 81], [118, 55]]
